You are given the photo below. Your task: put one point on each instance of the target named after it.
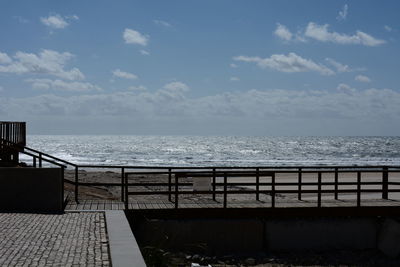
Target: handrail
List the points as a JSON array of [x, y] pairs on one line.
[[37, 157], [220, 171], [39, 152], [237, 167], [174, 187]]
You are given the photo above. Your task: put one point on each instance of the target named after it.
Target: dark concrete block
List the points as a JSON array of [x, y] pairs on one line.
[[389, 238], [321, 233], [31, 190], [214, 236]]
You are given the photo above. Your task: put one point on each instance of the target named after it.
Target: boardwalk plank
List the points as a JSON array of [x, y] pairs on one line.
[[206, 203]]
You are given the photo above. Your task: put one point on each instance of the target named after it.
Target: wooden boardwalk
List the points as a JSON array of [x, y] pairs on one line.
[[207, 204]]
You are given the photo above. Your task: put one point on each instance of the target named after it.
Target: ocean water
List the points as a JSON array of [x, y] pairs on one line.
[[218, 150]]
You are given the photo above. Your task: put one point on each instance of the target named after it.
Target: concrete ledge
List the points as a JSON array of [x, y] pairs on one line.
[[123, 246]]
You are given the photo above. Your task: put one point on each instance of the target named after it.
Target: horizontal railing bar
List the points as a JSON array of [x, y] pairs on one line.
[[251, 184], [47, 160], [41, 153], [239, 192], [99, 184], [249, 174], [69, 182], [379, 167]]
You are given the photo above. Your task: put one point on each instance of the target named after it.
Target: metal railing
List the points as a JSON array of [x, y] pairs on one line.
[[14, 132], [222, 182], [175, 187]]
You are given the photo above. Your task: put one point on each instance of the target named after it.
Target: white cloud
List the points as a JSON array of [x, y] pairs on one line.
[[388, 28], [234, 79], [339, 66], [342, 67], [72, 17], [125, 75], [48, 62], [54, 21], [4, 58], [59, 85], [345, 88], [144, 52], [162, 23], [362, 78], [137, 88], [233, 65], [287, 63], [258, 105], [177, 86], [321, 33], [283, 32], [343, 13], [134, 37]]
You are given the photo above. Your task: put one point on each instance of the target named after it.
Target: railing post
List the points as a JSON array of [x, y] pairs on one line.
[[126, 192], [300, 182], [214, 186], [40, 160], [225, 189], [257, 184], [176, 191], [34, 162], [273, 190], [385, 181], [319, 188], [169, 185], [76, 184], [122, 183], [358, 189], [336, 183]]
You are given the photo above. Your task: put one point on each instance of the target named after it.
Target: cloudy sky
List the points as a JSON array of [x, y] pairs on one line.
[[201, 67]]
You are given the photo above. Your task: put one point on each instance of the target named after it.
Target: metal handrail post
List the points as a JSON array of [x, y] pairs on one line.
[[336, 183], [299, 187], [225, 189], [126, 192], [273, 190], [122, 183], [76, 184], [257, 184], [176, 191], [214, 185], [385, 182], [358, 189], [319, 188], [169, 184]]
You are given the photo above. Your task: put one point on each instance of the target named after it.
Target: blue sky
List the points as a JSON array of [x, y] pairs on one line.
[[201, 67]]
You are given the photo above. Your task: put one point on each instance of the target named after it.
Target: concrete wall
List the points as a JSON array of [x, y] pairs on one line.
[[214, 236], [219, 236], [31, 190], [321, 233]]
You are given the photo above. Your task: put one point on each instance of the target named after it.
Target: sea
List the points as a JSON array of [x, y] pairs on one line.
[[218, 150]]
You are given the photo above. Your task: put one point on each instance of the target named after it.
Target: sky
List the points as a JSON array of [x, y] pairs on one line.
[[258, 68]]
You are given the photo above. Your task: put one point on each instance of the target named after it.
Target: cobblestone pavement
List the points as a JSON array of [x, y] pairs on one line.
[[70, 239]]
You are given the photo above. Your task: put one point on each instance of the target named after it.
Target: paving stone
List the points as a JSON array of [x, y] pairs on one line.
[[53, 240]]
